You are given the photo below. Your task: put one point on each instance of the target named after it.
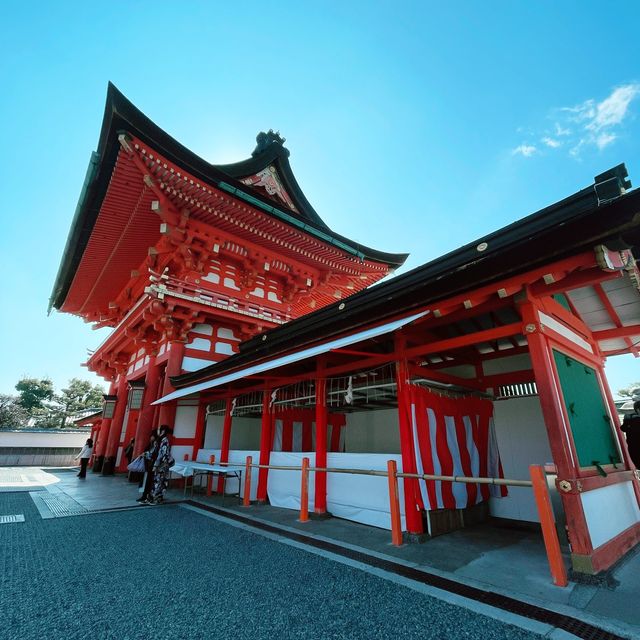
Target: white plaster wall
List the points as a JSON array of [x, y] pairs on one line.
[[609, 511], [522, 440], [373, 432], [40, 439], [213, 432], [185, 424], [194, 364], [518, 362], [245, 434]]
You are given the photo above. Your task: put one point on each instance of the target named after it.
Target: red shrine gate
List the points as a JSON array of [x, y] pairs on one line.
[[239, 317]]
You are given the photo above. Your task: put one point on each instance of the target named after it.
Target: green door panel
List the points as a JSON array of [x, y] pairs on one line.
[[588, 416]]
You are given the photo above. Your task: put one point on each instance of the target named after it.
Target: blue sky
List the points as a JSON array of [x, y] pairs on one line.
[[412, 126]]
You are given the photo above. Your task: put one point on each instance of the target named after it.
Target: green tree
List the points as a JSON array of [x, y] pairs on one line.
[[34, 393], [12, 413], [77, 396]]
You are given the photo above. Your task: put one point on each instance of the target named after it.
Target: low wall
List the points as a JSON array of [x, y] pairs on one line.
[[40, 448]]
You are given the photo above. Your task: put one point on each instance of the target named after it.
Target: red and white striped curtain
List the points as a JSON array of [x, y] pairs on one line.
[[454, 437]]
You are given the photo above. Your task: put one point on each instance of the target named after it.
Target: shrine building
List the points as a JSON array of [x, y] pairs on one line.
[[242, 320]]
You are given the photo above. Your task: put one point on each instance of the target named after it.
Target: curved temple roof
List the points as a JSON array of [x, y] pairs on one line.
[[265, 181]]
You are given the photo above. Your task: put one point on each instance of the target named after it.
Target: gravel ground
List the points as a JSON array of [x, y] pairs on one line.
[[168, 573]]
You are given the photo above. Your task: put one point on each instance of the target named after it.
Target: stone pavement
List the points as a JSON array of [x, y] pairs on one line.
[[498, 561]]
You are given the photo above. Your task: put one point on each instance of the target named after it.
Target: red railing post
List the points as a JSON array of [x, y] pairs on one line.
[[246, 499], [394, 504], [212, 460], [304, 491], [547, 521]]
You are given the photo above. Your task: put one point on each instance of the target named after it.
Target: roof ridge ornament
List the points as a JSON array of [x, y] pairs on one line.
[[265, 140]]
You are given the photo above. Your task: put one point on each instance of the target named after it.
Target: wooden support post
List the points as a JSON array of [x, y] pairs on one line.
[[201, 426], [394, 504], [557, 427], [109, 465], [415, 528], [265, 446], [246, 498], [186, 458], [320, 498], [226, 439], [100, 446], [212, 461], [304, 491], [548, 524], [167, 414], [145, 420]]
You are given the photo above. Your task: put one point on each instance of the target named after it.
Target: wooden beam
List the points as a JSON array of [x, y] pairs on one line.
[[575, 280], [618, 332], [615, 318], [463, 341]]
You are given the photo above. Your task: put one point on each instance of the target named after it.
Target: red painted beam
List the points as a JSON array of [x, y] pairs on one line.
[[463, 341], [604, 298], [574, 280], [618, 332]]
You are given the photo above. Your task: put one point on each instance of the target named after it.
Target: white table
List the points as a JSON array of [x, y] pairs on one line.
[[189, 469]]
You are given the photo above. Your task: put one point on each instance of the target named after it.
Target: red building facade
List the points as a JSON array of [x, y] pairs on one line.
[[185, 260], [242, 319]]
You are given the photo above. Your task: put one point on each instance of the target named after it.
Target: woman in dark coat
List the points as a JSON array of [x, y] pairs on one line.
[[162, 465], [631, 428]]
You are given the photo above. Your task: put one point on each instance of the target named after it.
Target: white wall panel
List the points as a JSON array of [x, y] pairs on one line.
[[609, 511], [185, 424], [373, 432], [522, 440]]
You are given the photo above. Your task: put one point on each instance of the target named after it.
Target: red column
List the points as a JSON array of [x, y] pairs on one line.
[[266, 439], [116, 426], [226, 439], [413, 516], [556, 426], [100, 445], [174, 368], [201, 426], [145, 421], [320, 498]]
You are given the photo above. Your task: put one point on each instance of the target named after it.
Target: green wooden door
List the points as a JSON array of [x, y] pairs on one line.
[[589, 419]]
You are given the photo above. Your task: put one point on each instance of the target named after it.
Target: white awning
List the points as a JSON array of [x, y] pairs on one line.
[[292, 357]]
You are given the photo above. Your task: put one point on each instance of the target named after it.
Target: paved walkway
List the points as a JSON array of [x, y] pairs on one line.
[[501, 561]]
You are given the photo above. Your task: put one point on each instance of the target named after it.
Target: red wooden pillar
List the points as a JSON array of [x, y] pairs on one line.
[[108, 466], [266, 439], [145, 420], [552, 410], [167, 414], [226, 439], [201, 427], [415, 527], [320, 499], [100, 445]]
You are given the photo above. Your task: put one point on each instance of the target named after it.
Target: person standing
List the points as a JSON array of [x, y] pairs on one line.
[[150, 455], [631, 428], [128, 452], [162, 466], [84, 456]]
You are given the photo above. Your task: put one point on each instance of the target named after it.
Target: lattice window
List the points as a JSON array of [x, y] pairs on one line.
[[520, 390]]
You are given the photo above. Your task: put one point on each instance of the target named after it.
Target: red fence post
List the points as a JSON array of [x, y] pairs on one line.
[[304, 491], [548, 523], [394, 504], [246, 500], [212, 460]]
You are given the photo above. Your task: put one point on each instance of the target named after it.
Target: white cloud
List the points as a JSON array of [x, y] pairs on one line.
[[612, 110], [551, 142], [605, 139], [590, 124], [525, 150]]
